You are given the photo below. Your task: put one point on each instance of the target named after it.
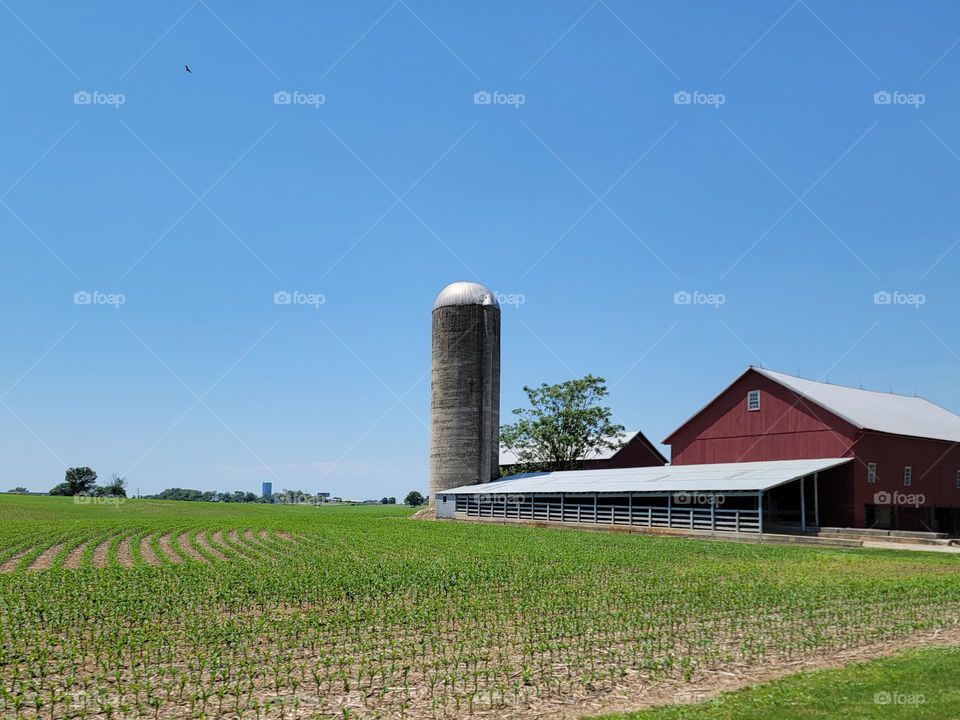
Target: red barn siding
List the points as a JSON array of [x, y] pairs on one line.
[[636, 453], [786, 427]]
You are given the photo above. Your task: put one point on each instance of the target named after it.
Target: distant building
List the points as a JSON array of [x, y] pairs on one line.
[[637, 451], [266, 489]]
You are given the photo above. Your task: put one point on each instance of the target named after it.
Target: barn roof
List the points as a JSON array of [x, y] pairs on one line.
[[879, 411], [715, 477], [509, 457], [864, 409]]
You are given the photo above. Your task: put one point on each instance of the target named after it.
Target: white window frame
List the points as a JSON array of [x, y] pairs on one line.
[[753, 400], [872, 473], [907, 475]]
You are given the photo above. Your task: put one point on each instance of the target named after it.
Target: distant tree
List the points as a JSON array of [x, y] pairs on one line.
[[391, 501], [249, 497], [61, 489], [385, 501], [80, 480], [19, 489], [563, 423], [414, 499], [117, 487]]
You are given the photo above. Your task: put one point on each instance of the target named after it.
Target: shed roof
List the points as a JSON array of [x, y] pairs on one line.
[[714, 477]]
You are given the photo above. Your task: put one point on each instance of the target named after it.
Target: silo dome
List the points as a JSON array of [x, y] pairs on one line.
[[465, 293]]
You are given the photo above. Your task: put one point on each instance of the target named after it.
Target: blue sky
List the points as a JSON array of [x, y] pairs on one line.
[[782, 197]]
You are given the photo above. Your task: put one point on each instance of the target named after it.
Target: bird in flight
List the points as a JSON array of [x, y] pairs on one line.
[[187, 68]]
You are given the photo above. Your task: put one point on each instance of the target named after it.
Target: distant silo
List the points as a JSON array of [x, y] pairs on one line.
[[266, 490], [465, 388]]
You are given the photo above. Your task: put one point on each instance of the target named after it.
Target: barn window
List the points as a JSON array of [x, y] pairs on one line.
[[907, 476], [872, 473], [753, 400]]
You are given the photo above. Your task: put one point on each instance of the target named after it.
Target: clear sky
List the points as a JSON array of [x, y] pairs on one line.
[[777, 189]]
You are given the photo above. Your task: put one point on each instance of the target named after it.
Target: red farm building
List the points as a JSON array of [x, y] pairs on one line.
[[905, 473], [636, 451]]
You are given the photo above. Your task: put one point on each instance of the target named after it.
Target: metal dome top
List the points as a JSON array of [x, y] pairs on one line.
[[465, 293]]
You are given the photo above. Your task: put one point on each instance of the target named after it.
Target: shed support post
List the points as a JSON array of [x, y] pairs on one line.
[[816, 501], [669, 510], [630, 511], [713, 514], [561, 508], [595, 518], [760, 513], [803, 505]]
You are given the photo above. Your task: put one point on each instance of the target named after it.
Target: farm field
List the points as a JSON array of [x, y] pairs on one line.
[[159, 609]]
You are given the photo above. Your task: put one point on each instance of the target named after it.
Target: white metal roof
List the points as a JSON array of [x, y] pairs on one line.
[[715, 477], [883, 412], [465, 293], [509, 457]]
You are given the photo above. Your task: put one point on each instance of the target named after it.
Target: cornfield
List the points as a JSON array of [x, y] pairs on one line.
[[191, 610]]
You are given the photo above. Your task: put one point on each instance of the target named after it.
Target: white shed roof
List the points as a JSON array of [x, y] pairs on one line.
[[870, 410], [715, 477], [509, 457]]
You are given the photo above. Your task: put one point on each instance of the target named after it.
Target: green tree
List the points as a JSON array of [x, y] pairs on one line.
[[19, 489], [117, 487], [414, 499], [79, 480], [564, 423]]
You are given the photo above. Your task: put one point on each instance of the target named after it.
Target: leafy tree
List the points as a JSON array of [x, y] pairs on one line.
[[414, 499], [564, 423], [80, 480], [19, 489], [117, 487], [385, 501], [61, 489], [391, 501]]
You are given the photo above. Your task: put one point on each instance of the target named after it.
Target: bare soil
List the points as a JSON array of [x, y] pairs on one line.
[[10, 564], [188, 550], [146, 552], [44, 560], [204, 542], [166, 546], [125, 552], [72, 561], [99, 559]]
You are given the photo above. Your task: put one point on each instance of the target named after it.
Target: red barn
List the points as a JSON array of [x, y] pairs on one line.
[[636, 451], [906, 474]]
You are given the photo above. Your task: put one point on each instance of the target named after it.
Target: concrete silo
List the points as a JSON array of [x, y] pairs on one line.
[[465, 388]]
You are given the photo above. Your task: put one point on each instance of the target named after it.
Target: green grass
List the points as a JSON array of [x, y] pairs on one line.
[[360, 611], [916, 685]]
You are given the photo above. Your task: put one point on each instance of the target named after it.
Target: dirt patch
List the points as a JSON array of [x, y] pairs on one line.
[[125, 552], [72, 561], [204, 542], [189, 550], [147, 553], [44, 560], [10, 564], [99, 559], [166, 547], [427, 513], [238, 546]]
